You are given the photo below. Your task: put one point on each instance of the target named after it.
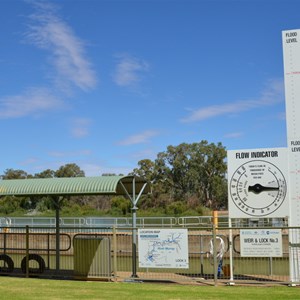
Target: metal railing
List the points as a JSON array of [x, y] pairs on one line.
[[188, 221], [99, 252]]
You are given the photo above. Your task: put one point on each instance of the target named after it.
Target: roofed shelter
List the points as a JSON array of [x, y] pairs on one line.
[[57, 188], [102, 185]]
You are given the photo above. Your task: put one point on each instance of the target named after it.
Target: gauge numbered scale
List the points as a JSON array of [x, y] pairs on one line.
[[257, 187]]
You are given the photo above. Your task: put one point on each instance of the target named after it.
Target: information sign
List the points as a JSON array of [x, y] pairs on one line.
[[257, 183], [261, 243], [163, 248]]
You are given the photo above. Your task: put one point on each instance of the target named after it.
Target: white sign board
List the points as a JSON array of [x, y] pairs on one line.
[[257, 183], [261, 243], [163, 248], [291, 58]]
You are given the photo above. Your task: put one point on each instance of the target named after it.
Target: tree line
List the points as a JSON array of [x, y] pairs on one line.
[[188, 179]]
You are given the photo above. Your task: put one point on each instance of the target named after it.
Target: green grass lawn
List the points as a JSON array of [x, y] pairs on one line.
[[23, 289]]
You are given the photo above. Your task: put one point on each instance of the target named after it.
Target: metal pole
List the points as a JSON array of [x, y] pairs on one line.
[[27, 251], [134, 248], [115, 252], [134, 199], [134, 242], [230, 253], [201, 255], [57, 233], [215, 256], [57, 240], [215, 218]]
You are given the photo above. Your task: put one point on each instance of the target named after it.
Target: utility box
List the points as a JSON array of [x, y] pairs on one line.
[[92, 255]]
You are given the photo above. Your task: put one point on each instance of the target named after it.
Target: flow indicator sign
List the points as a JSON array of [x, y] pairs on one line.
[[257, 183]]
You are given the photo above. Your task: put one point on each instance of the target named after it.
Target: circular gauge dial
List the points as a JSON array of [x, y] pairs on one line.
[[258, 188]]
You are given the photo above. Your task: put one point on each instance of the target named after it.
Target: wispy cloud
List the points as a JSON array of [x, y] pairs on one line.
[[84, 152], [129, 70], [80, 127], [51, 33], [29, 161], [140, 138], [48, 31], [32, 102], [149, 153], [272, 94], [233, 135]]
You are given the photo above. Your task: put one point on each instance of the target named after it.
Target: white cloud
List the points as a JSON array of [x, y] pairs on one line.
[[140, 138], [129, 70], [49, 32], [272, 94], [84, 152], [233, 135], [32, 102], [29, 161], [80, 127], [148, 153]]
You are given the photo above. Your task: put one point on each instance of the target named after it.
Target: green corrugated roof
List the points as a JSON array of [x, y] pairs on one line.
[[72, 186]]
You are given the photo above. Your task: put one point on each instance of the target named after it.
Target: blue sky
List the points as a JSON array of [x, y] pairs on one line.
[[104, 84]]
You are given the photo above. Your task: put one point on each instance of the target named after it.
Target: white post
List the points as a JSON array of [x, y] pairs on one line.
[[291, 57], [230, 253]]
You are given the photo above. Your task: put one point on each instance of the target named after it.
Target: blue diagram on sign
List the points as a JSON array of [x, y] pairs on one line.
[[163, 248]]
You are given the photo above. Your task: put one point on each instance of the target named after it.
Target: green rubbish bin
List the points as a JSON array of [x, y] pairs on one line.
[[92, 256]]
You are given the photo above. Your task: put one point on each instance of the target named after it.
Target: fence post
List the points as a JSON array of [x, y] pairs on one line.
[[215, 264], [57, 203], [27, 251], [5, 240], [134, 242], [115, 251], [201, 255], [230, 252], [215, 218]]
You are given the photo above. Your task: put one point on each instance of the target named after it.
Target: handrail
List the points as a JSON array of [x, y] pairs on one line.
[[142, 222], [6, 235]]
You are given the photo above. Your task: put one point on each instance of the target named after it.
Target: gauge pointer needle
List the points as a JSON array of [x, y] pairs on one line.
[[258, 188]]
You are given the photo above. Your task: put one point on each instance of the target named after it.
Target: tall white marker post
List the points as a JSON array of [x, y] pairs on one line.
[[291, 56]]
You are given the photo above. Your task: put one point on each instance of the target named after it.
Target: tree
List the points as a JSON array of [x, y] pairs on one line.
[[208, 161], [15, 174], [174, 169], [194, 169], [45, 174], [10, 203], [146, 170], [69, 170], [149, 170], [120, 205], [185, 179], [109, 174]]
